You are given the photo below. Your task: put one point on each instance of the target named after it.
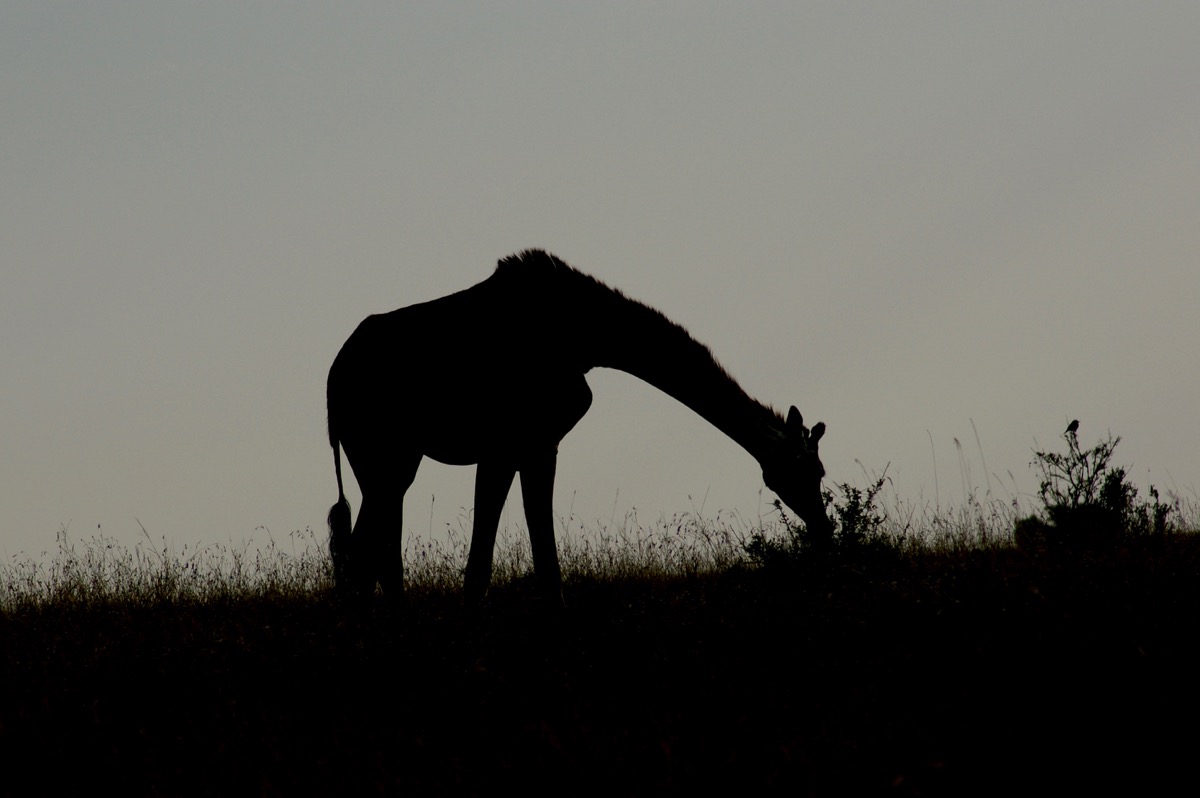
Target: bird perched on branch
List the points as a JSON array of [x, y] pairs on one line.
[[1072, 428]]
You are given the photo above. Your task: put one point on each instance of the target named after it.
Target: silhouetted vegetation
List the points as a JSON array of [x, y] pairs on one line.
[[858, 527], [1088, 501], [911, 655]]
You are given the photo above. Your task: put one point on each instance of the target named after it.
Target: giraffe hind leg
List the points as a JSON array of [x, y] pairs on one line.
[[374, 550]]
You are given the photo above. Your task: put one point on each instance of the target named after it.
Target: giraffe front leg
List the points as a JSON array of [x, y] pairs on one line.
[[537, 488], [492, 483]]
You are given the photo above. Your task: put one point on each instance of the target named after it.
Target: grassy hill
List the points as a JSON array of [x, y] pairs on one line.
[[680, 664]]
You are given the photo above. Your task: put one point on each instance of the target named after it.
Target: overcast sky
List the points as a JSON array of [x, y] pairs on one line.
[[900, 217]]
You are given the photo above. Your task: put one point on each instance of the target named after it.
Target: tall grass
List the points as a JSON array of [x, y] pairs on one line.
[[980, 523], [677, 546], [99, 571]]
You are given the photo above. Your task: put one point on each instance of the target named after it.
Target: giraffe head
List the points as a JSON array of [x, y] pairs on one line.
[[794, 473]]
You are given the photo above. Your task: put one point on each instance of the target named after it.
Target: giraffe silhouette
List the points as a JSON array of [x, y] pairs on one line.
[[494, 375]]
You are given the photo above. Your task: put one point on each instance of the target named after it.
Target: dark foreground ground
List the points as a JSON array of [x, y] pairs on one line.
[[967, 674]]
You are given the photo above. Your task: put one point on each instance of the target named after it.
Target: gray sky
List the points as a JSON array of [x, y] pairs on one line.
[[900, 217]]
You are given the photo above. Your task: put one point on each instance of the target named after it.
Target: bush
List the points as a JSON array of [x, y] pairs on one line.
[[857, 526], [1088, 500]]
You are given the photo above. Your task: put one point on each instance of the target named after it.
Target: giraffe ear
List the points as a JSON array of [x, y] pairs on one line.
[[794, 423], [817, 431]]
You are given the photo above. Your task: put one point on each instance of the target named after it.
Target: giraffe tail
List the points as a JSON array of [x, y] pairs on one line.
[[339, 519]]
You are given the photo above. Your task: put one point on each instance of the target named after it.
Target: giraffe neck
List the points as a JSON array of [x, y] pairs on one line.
[[641, 341], [598, 326]]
